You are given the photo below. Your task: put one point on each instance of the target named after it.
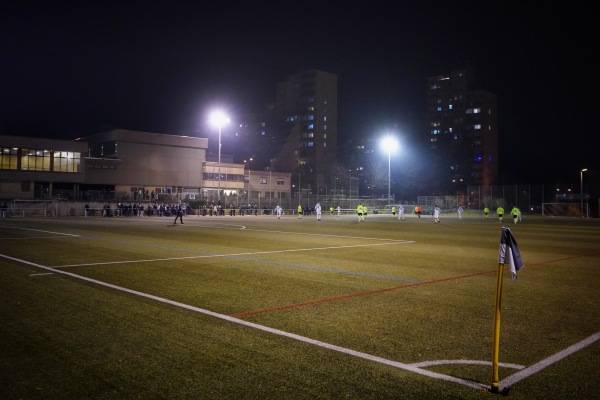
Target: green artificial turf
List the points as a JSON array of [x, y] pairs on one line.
[[141, 308]]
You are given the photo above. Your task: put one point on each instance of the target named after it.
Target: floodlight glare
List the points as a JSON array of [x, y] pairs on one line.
[[218, 119], [389, 144]]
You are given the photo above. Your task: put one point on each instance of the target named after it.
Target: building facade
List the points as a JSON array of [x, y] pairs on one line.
[[462, 127], [34, 168], [124, 165], [306, 121]]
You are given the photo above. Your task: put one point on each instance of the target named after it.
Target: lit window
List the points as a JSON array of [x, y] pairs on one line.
[[8, 157]]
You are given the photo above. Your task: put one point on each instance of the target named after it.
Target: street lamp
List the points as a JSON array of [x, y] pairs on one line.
[[389, 144], [581, 190], [218, 119]]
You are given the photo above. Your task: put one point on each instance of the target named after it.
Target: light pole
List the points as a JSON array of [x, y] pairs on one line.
[[581, 189], [218, 119], [390, 144]]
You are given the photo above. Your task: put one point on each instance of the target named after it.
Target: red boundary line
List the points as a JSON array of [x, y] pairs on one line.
[[307, 303]]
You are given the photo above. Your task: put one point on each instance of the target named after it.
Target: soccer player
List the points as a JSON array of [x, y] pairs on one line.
[[500, 212], [401, 212], [436, 214], [515, 213], [359, 212]]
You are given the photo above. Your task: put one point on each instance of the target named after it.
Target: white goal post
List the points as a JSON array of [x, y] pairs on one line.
[[565, 209], [32, 208]]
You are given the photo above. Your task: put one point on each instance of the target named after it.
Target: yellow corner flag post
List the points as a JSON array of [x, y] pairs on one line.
[[496, 348], [508, 253]]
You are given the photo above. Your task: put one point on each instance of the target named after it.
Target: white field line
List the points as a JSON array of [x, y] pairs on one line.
[[39, 230], [533, 369], [511, 380], [407, 367], [228, 255]]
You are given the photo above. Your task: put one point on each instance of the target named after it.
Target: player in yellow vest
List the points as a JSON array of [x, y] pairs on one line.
[[300, 211], [500, 212], [515, 213]]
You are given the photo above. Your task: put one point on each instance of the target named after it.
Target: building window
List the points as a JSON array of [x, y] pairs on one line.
[[35, 160], [280, 181], [9, 157], [263, 180], [67, 161]]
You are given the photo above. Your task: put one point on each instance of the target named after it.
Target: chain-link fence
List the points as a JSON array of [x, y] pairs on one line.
[[530, 199]]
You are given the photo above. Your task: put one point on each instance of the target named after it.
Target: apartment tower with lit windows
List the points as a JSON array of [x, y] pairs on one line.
[[462, 127], [306, 121]]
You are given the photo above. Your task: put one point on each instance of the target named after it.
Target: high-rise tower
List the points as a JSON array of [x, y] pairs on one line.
[[306, 115], [462, 124]]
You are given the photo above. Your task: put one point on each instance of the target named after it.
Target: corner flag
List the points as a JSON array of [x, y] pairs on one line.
[[509, 248]]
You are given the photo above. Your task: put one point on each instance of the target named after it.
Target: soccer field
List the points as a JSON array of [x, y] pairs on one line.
[[259, 308]]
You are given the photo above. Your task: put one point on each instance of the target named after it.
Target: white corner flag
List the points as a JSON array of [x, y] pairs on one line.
[[509, 248]]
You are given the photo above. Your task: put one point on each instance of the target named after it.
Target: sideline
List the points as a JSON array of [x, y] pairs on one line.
[[408, 367], [249, 253], [304, 339]]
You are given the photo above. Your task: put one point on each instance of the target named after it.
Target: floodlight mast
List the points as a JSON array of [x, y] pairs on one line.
[[581, 189], [389, 144], [218, 119]]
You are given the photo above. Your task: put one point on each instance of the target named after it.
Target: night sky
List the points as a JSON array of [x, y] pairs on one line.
[[72, 70]]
